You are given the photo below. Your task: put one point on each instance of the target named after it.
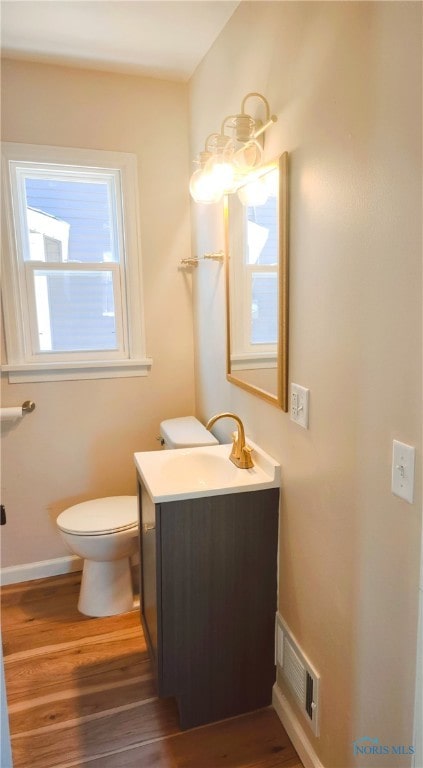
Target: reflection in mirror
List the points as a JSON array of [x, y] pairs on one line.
[[257, 274]]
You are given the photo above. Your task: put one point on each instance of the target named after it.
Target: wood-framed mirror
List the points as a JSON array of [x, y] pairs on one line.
[[256, 226]]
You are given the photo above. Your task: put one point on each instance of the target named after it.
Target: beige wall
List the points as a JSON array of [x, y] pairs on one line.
[[78, 443], [345, 82]]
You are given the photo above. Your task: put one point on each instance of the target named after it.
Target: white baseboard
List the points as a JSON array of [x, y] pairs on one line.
[[418, 705], [14, 574], [294, 729]]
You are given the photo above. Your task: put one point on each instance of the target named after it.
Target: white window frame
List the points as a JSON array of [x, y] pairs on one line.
[[24, 361]]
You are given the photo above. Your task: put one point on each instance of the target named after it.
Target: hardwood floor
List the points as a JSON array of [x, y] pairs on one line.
[[81, 693]]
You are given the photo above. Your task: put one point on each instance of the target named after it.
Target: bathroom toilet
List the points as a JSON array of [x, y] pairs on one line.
[[104, 532]]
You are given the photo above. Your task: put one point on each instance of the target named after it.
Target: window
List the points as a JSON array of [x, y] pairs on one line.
[[254, 243], [72, 293], [261, 274]]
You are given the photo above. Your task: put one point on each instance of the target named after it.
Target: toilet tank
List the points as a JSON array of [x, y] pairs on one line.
[[185, 432]]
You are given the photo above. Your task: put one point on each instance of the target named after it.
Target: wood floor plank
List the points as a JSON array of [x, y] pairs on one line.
[[46, 697], [82, 740], [66, 581], [57, 633], [73, 705], [99, 639], [76, 669]]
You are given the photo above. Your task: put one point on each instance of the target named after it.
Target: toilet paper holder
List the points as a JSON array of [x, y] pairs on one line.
[[12, 414]]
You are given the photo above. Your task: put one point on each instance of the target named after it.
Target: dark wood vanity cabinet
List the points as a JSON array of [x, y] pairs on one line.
[[208, 600]]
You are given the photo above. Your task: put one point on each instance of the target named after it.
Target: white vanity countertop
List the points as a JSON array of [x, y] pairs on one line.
[[189, 473]]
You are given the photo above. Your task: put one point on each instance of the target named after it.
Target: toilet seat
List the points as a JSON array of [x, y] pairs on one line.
[[100, 516]]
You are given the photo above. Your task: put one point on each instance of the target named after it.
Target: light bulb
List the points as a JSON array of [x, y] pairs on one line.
[[248, 157], [222, 172], [203, 187], [254, 193]]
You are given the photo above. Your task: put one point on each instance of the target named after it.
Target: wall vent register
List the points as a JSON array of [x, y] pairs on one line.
[[298, 673]]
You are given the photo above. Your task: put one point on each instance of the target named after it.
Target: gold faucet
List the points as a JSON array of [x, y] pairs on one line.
[[241, 453]]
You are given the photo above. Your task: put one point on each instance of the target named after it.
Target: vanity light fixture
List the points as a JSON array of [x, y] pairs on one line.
[[229, 155]]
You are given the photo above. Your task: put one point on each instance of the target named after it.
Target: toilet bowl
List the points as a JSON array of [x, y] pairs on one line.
[[104, 532]]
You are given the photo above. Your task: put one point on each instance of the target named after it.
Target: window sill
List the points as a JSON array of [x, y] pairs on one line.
[[98, 369], [241, 362]]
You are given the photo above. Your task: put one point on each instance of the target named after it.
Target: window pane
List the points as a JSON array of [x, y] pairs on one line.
[[75, 214], [263, 233], [75, 310], [264, 308]]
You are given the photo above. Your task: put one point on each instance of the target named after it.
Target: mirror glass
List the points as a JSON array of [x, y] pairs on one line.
[[257, 283]]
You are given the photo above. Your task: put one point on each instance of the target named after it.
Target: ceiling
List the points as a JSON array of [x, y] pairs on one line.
[[156, 38]]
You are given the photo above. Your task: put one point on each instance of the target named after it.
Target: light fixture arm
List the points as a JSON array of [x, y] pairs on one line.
[[264, 127], [257, 96], [269, 118]]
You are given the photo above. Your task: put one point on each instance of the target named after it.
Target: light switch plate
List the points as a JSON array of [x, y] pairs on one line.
[[403, 457], [299, 405]]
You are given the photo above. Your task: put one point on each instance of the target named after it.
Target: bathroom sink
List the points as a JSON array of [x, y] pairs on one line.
[[189, 473]]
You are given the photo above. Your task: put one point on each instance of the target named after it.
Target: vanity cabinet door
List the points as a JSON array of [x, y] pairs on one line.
[[218, 602], [208, 600]]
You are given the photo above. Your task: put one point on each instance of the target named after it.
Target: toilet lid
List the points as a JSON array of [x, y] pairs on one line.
[[115, 513]]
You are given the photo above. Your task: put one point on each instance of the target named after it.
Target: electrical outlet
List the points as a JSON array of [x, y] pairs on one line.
[[299, 405]]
